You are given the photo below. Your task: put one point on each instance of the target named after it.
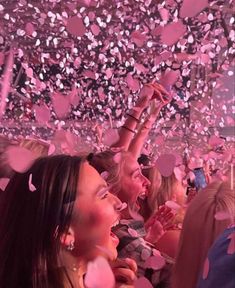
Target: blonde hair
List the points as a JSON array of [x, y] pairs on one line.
[[39, 148], [104, 162], [162, 189], [199, 231], [155, 179]]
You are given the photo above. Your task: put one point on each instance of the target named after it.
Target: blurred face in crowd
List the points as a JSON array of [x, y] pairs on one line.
[[133, 182]]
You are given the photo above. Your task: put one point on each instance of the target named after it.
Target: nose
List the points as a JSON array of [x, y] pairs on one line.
[[117, 203], [146, 182]]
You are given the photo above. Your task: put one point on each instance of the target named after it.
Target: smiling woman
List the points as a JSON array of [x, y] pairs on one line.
[[52, 231]]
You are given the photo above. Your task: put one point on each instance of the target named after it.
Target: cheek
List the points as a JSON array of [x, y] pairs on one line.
[[98, 216]]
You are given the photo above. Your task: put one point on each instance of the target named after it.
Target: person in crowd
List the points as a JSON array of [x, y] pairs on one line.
[[128, 183], [55, 218], [218, 268], [37, 146], [201, 227]]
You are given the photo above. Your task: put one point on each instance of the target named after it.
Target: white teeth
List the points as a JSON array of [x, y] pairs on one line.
[[115, 223]]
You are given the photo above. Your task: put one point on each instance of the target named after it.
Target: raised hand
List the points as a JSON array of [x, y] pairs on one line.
[[124, 271], [158, 223]]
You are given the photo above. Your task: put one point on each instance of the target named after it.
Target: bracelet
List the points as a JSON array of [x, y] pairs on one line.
[[128, 129], [133, 117]]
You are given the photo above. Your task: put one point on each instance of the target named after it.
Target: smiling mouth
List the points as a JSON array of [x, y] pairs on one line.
[[115, 223]]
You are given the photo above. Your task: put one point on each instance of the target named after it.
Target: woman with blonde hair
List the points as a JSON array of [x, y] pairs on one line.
[[201, 227]]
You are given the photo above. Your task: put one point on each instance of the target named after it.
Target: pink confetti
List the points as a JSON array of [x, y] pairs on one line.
[[29, 28], [206, 268], [133, 84], [3, 183], [19, 158], [42, 113], [132, 232], [51, 149], [89, 74], [166, 164], [173, 205], [138, 38], [95, 29], [76, 27], [171, 33], [191, 8], [61, 104], [142, 282], [231, 246], [32, 188], [99, 274], [164, 14], [74, 98], [169, 78], [105, 175], [156, 262]]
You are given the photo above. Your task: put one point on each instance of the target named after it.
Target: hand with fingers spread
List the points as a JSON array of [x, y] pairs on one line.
[[124, 271], [159, 223]]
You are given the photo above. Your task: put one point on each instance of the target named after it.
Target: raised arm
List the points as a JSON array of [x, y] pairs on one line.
[[160, 101], [127, 131]]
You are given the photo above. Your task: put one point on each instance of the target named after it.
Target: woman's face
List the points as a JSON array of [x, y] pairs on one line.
[[95, 212], [133, 182]]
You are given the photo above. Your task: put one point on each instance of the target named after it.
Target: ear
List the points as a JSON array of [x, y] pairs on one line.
[[67, 238]]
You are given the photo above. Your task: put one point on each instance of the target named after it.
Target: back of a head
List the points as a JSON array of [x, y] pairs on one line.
[[161, 189], [200, 229], [29, 220], [102, 161], [105, 162], [38, 147]]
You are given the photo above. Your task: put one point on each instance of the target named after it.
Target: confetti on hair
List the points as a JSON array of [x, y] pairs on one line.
[[32, 188], [19, 158], [3, 183]]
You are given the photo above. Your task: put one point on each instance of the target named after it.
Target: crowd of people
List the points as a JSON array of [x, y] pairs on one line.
[[62, 213]]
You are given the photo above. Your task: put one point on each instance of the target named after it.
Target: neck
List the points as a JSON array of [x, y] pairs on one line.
[[75, 267]]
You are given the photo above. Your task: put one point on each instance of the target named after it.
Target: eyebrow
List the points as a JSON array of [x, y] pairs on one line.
[[100, 187]]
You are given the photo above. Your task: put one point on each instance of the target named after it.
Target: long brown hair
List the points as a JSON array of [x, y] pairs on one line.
[[32, 222]]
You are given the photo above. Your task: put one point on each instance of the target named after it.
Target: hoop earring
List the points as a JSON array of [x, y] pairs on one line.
[[71, 246]]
